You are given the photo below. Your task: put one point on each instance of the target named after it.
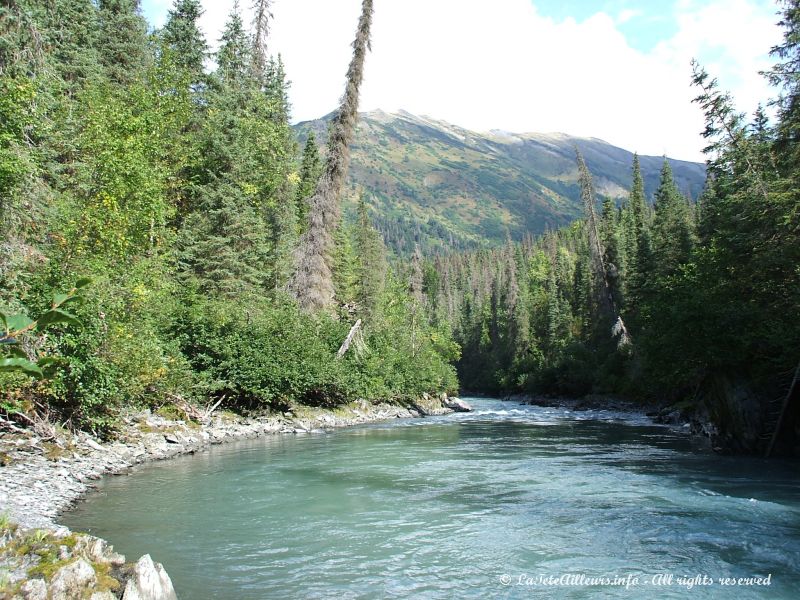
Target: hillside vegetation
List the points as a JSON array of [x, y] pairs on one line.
[[441, 186]]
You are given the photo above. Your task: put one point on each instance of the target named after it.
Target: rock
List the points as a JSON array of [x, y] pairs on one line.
[[149, 581], [92, 444], [34, 589], [103, 596], [171, 438], [457, 404], [71, 581]]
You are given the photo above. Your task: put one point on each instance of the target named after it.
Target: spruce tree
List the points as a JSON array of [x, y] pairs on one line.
[[603, 291], [122, 40], [184, 40], [637, 200], [310, 170], [70, 29], [261, 17], [673, 232], [372, 267], [312, 283]]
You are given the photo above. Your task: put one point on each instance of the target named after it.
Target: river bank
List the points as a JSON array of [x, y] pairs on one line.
[[40, 478], [685, 418]]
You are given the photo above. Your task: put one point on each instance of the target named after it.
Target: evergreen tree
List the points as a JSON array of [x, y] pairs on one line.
[[673, 234], [185, 41], [233, 56], [371, 255], [261, 19], [312, 283], [637, 201], [785, 75], [70, 29], [310, 170], [122, 40], [224, 245]]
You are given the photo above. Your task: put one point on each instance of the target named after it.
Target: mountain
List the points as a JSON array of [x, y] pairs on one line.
[[446, 187]]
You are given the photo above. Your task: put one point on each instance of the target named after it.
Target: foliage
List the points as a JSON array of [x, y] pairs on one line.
[[182, 195], [16, 331]]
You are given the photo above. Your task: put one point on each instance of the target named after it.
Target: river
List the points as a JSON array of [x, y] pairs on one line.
[[508, 501]]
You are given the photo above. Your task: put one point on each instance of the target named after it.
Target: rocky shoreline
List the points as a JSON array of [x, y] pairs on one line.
[[41, 478]]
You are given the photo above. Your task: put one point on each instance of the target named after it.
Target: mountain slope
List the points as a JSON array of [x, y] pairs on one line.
[[445, 186]]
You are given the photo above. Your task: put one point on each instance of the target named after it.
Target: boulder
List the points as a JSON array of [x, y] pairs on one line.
[[72, 580], [103, 596], [149, 581], [457, 404], [34, 589]]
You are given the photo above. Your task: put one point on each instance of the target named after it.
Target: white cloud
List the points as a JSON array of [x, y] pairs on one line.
[[627, 14], [501, 64]]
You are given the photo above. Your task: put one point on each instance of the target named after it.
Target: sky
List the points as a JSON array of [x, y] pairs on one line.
[[618, 70]]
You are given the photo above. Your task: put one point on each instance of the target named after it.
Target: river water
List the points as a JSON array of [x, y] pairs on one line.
[[508, 501]]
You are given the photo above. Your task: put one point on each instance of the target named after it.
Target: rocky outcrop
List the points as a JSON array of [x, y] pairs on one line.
[[431, 406], [457, 405], [44, 565], [149, 581], [71, 580]]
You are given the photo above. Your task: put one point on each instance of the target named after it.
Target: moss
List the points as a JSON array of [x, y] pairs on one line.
[[55, 452], [145, 428], [6, 526], [5, 459], [7, 588], [171, 412], [47, 569], [227, 415], [105, 580]]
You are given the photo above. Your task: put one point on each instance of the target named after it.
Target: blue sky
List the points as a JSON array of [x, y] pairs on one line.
[[613, 69], [644, 24]]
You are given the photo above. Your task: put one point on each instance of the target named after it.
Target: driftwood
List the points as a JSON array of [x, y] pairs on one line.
[[355, 331], [194, 413], [37, 421]]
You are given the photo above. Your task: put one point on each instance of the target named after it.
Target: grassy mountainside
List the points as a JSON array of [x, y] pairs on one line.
[[446, 186]]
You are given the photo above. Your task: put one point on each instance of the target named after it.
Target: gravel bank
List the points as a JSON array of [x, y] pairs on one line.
[[41, 478]]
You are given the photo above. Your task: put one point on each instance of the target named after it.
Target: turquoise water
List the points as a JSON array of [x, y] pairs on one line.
[[481, 505]]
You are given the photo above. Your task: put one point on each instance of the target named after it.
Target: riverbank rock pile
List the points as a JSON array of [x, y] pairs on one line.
[[43, 565], [40, 478]]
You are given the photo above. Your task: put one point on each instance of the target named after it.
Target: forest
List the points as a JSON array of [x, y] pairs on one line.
[[165, 237], [182, 196]]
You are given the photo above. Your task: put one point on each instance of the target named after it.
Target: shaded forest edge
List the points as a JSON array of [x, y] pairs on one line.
[[689, 305]]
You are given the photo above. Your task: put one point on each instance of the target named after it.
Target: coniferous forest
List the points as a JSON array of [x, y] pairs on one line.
[[183, 196], [165, 236]]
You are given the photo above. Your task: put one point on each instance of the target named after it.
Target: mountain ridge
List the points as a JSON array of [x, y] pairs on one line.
[[443, 186]]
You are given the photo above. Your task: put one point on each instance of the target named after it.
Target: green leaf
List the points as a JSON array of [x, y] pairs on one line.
[[57, 317], [17, 322], [49, 365], [3, 322], [16, 365], [62, 299], [83, 282]]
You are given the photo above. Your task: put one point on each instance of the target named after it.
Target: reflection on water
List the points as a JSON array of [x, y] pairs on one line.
[[474, 505]]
